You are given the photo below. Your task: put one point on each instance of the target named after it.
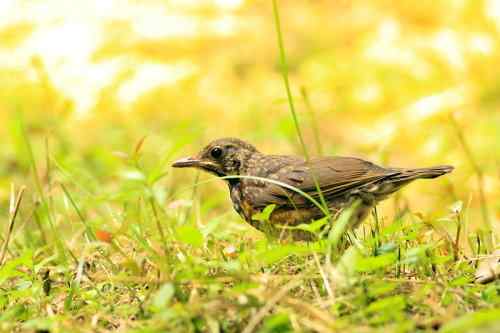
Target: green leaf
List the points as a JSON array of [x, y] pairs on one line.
[[277, 253], [265, 214], [163, 296], [378, 289], [373, 263], [244, 287], [460, 281], [483, 318], [439, 260], [278, 323], [340, 225], [387, 248], [393, 303], [393, 228], [15, 312], [348, 262], [9, 269], [46, 324], [189, 235], [416, 255]]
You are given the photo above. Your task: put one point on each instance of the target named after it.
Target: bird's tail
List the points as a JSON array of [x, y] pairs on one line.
[[422, 173]]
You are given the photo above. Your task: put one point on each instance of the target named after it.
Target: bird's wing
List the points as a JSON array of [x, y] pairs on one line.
[[335, 176]]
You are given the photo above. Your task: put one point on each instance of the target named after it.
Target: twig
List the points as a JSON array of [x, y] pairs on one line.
[[15, 203]]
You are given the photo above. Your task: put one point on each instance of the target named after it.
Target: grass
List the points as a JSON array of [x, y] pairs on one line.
[[109, 241], [404, 276]]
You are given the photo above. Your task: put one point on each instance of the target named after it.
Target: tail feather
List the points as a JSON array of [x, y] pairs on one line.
[[433, 172], [398, 178], [422, 173]]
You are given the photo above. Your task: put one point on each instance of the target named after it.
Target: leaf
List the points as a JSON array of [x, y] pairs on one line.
[[276, 323], [163, 296], [340, 226], [378, 289], [373, 263], [244, 287], [346, 266], [439, 260], [277, 253], [43, 324], [189, 235], [9, 269], [473, 320], [315, 225], [15, 312], [387, 248], [459, 281], [393, 303], [393, 228], [416, 255], [265, 214], [103, 236]]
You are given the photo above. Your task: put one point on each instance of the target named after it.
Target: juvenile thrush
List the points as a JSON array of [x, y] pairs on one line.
[[342, 181]]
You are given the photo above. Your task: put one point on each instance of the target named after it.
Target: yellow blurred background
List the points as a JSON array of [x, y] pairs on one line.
[[399, 83]]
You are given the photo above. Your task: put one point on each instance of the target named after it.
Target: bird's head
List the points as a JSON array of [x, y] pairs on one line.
[[222, 157]]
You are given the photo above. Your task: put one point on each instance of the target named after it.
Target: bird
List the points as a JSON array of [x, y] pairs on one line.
[[290, 184]]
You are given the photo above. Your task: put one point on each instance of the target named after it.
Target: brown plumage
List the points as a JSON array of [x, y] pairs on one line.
[[342, 181]]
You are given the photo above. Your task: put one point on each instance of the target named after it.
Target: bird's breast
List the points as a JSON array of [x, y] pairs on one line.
[[240, 205]]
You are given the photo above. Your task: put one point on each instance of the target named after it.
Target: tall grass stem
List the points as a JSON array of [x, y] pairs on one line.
[[479, 174], [284, 72], [13, 211]]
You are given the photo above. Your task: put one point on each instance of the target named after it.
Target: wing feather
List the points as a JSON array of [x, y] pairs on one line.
[[335, 176]]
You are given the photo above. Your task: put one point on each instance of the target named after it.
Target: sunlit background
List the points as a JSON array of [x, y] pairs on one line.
[[402, 83]]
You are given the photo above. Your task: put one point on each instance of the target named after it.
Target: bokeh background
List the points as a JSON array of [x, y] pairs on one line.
[[401, 83]]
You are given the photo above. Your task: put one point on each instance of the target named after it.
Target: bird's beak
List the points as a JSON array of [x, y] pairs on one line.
[[186, 162]]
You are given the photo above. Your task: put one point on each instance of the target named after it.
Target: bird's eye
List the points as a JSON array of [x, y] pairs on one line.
[[216, 152]]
